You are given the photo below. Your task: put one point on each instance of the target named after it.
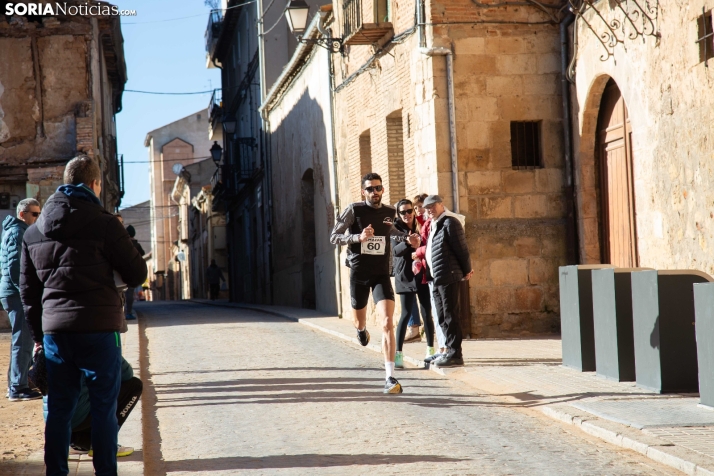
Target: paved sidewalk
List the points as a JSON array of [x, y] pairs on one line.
[[670, 429]]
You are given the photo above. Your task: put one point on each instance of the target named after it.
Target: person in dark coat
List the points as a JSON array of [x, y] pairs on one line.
[[214, 276], [407, 285], [129, 293], [448, 260], [74, 310], [18, 389]]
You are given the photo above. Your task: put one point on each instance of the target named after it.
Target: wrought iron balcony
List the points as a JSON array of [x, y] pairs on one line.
[[365, 21], [213, 32], [215, 111]]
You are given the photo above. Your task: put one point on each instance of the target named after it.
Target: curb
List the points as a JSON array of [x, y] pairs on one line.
[[655, 452]]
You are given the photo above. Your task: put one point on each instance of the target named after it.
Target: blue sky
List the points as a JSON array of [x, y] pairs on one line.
[[166, 56]]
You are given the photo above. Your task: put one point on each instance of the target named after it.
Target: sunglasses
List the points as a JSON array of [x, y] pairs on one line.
[[406, 212], [376, 188], [34, 214]]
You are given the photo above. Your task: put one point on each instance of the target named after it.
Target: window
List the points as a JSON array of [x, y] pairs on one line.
[[365, 153], [704, 37], [525, 145]]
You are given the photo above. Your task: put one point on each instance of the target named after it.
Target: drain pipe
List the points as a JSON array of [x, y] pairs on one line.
[[572, 224], [441, 51]]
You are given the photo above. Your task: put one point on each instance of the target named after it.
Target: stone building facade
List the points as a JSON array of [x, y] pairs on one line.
[[660, 69], [182, 142], [61, 84], [392, 115]]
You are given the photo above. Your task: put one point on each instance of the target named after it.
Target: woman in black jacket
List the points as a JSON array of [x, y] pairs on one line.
[[409, 286]]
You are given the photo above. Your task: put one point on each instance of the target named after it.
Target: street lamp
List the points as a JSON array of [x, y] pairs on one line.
[[216, 153], [229, 125], [296, 14]]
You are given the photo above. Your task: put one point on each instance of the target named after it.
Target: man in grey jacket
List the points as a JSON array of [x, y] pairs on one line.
[[449, 263], [28, 210]]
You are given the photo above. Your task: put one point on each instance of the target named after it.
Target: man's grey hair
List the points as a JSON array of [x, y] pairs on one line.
[[25, 205]]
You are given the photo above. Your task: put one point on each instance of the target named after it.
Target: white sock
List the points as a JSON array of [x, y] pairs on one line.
[[362, 330], [389, 367]]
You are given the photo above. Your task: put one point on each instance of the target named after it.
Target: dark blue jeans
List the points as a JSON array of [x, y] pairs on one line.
[[22, 344], [98, 357]]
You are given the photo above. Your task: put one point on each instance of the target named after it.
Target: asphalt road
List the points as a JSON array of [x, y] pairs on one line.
[[232, 391]]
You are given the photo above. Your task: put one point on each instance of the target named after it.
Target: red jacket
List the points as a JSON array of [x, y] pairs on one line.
[[421, 251]]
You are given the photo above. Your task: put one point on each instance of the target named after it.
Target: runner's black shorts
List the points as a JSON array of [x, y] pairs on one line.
[[380, 285]]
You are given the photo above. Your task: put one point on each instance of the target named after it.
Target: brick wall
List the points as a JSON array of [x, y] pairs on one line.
[[395, 151]]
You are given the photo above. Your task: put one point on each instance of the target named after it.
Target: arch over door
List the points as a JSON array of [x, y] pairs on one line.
[[619, 239]]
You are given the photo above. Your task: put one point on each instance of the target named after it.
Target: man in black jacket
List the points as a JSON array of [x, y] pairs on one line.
[[447, 257], [74, 309]]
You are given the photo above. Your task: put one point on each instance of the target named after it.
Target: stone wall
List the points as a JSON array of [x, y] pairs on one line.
[[515, 217], [665, 85]]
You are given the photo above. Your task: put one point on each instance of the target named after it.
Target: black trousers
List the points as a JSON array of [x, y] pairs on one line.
[[446, 300], [408, 301], [214, 289], [129, 394]]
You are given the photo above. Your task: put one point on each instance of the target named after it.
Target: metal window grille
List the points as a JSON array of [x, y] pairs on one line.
[[526, 145], [352, 17], [704, 38]]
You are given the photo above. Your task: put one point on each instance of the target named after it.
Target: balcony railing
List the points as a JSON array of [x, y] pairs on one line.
[[213, 31], [365, 21], [215, 111]]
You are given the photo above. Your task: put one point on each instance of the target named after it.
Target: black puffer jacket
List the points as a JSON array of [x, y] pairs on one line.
[[404, 279], [450, 260], [68, 260]]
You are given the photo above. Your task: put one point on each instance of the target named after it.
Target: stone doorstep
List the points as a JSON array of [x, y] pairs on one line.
[[654, 447]]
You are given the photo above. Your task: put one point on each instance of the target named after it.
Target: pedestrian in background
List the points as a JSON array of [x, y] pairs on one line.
[[214, 276], [449, 263], [408, 285], [74, 311], [129, 293], [28, 210]]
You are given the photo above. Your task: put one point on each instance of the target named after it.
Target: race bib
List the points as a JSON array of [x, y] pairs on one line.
[[374, 246]]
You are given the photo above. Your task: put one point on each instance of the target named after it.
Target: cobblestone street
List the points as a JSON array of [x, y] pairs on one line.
[[236, 390]]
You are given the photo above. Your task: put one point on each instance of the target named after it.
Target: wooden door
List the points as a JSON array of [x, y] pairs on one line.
[[619, 239]]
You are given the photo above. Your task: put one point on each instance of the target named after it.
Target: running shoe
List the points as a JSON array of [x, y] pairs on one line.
[[449, 360], [75, 450], [432, 357], [412, 334], [399, 360], [392, 386], [121, 451], [363, 337], [430, 351], [23, 395]]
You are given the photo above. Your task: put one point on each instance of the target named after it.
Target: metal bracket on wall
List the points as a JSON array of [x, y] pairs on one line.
[[637, 20]]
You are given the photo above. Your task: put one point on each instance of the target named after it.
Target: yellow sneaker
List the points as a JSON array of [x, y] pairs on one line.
[[121, 451]]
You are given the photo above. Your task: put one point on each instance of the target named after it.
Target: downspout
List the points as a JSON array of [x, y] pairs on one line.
[[572, 224], [441, 51], [335, 177]]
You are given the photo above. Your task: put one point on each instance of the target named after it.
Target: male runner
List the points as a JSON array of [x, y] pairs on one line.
[[366, 228]]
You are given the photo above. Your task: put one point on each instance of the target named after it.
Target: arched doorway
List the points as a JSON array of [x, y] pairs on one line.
[[309, 247], [617, 195]]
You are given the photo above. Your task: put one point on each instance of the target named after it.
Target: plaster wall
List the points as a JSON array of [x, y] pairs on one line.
[[300, 141], [664, 84]]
